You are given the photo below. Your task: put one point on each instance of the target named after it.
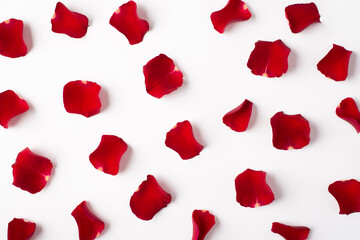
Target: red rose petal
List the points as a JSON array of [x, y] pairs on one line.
[[31, 172], [269, 59], [290, 131], [11, 38], [162, 76], [203, 221], [290, 232], [126, 21], [11, 105], [252, 189], [108, 154], [235, 10], [347, 194], [238, 118], [89, 225], [70, 23], [301, 16], [149, 199], [20, 229], [82, 97], [349, 111], [181, 139], [335, 64]]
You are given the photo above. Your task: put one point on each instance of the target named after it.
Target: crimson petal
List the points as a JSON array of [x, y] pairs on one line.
[[238, 118], [31, 172], [149, 199], [252, 189], [82, 97], [203, 221], [11, 38], [126, 21], [20, 229], [235, 10], [11, 105], [269, 59], [301, 16], [349, 111], [336, 63], [290, 232], [347, 194], [290, 131]]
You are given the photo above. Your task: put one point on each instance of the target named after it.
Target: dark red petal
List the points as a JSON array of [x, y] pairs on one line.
[[252, 189], [235, 10], [290, 131], [11, 105], [108, 154], [203, 221], [149, 199], [238, 118], [11, 38], [335, 64], [82, 97], [290, 232], [20, 229], [31, 172], [347, 194], [162, 76], [181, 139], [126, 21], [70, 23], [349, 111], [301, 16], [269, 59]]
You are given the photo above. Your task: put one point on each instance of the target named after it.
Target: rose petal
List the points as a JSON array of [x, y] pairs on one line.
[[335, 64], [290, 131], [161, 76], [269, 59], [70, 23], [11, 105], [108, 154], [31, 172], [301, 16], [20, 229], [252, 189], [181, 139], [11, 38], [89, 225], [126, 21], [347, 194], [203, 221], [349, 111], [238, 118], [149, 199], [235, 10], [82, 97], [290, 232]]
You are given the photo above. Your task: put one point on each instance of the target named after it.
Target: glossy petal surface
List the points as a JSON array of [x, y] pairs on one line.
[[301, 16], [11, 38], [149, 199], [290, 232], [11, 105], [349, 111], [161, 76], [203, 221], [347, 194], [20, 229], [238, 118]]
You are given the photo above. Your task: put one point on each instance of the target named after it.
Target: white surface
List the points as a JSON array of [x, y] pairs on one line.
[[216, 81]]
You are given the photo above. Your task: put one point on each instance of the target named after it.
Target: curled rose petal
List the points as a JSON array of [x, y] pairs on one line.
[[203, 221], [82, 97], [149, 199], [126, 21], [235, 10], [269, 59], [11, 105], [252, 189], [290, 232], [349, 111], [162, 76], [335, 64], [11, 38], [31, 172], [347, 194], [238, 118], [181, 139], [20, 229], [290, 131], [301, 16], [89, 225], [108, 154]]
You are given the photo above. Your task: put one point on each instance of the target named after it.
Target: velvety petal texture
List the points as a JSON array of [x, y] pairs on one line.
[[11, 39], [301, 16], [126, 21], [20, 229], [11, 105], [238, 119], [347, 194], [349, 111], [149, 199], [203, 221], [290, 232]]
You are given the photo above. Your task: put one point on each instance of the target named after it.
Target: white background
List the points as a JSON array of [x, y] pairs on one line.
[[216, 80]]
